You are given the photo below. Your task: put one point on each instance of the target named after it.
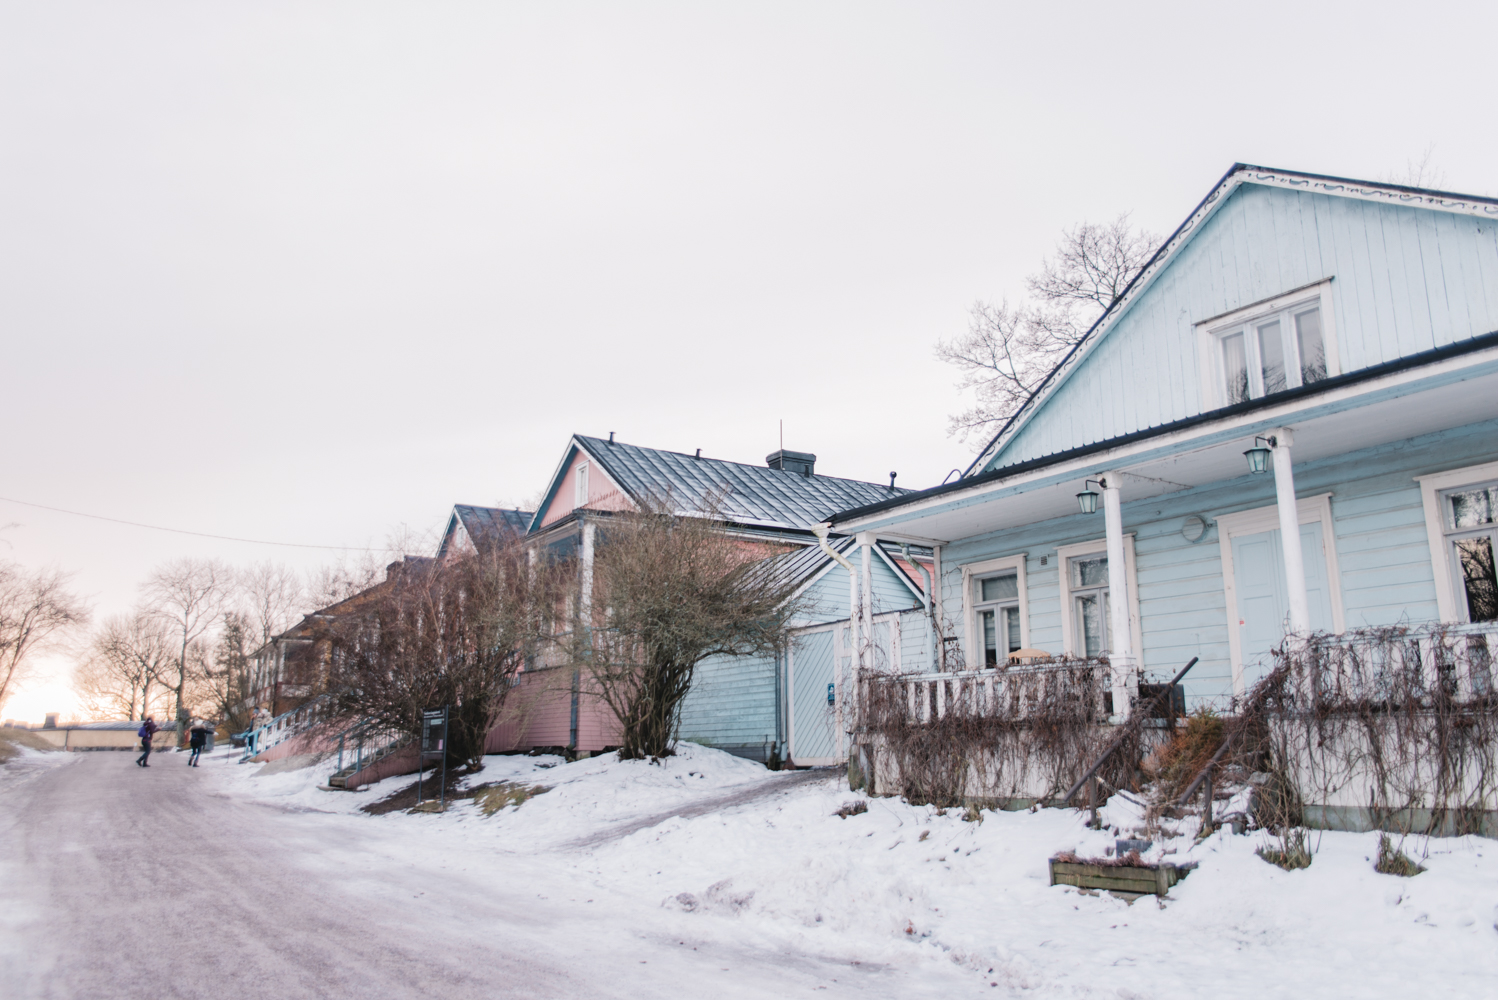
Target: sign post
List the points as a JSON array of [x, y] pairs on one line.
[[433, 747]]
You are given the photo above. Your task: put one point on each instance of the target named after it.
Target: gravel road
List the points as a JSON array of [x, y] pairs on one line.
[[118, 882]]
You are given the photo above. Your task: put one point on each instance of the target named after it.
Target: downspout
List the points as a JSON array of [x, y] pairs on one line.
[[925, 602]]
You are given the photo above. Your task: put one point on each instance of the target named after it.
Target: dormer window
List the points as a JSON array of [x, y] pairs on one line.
[[1273, 346], [580, 497]]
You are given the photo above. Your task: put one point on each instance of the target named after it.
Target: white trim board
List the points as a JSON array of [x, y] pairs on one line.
[[1251, 522], [1447, 604], [1131, 580]]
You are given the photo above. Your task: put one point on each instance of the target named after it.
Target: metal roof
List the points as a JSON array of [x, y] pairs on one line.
[[753, 495], [486, 525]]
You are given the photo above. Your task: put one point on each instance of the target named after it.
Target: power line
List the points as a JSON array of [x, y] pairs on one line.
[[183, 531]]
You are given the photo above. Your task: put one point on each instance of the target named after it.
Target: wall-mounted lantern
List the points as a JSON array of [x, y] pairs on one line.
[[1258, 455], [1088, 497]]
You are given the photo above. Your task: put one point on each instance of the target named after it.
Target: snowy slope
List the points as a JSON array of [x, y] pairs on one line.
[[762, 862]]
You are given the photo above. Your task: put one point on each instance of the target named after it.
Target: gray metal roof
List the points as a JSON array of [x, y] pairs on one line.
[[754, 495], [486, 525]]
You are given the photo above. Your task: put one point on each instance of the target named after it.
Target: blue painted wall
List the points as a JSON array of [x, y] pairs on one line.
[[1378, 526], [1406, 280], [732, 703]]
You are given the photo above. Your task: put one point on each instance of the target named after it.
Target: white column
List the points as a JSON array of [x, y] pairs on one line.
[[585, 595], [936, 608], [1120, 655], [866, 604], [1295, 566]]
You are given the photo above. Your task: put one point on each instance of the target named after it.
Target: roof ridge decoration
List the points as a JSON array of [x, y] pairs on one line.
[[1237, 175]]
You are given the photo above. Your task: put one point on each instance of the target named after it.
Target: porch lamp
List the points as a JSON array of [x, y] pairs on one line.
[[1258, 455], [1088, 497]]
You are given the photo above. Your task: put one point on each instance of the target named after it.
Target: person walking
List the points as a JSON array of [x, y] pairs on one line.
[[197, 739], [147, 733]]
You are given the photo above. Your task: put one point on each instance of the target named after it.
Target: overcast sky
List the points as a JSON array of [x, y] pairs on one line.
[[306, 272]]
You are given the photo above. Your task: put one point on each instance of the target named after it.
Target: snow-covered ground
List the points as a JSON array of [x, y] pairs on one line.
[[709, 848]]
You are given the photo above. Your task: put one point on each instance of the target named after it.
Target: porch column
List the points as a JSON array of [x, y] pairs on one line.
[[937, 620], [866, 601], [585, 594], [1295, 566], [1120, 651]]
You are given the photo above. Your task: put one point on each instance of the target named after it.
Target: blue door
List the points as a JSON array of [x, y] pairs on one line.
[[813, 729], [1263, 605]]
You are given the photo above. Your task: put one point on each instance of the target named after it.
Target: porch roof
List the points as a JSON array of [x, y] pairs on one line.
[[1437, 390]]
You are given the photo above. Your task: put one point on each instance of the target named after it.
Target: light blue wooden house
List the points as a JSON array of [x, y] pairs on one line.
[[1287, 423]]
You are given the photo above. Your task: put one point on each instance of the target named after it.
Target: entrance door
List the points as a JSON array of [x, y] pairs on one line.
[[1263, 606], [813, 736]]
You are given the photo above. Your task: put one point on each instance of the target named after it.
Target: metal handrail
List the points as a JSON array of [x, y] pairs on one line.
[[258, 738]]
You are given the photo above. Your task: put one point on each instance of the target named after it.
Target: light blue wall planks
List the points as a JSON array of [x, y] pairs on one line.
[[1406, 280], [732, 700], [1378, 528]]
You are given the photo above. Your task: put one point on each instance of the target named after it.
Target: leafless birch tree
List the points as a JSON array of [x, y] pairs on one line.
[[127, 666], [1009, 350], [190, 597]]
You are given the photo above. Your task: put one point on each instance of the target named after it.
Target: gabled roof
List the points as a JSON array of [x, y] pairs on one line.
[[485, 525], [749, 495], [1238, 175], [799, 568]]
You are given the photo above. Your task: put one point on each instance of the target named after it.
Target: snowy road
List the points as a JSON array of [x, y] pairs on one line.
[[122, 883]]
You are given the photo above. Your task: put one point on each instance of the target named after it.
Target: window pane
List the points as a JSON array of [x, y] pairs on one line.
[[1476, 558], [1312, 347], [1272, 357], [1011, 619], [999, 588], [1089, 571], [1235, 367], [1473, 508], [1092, 623], [990, 639]]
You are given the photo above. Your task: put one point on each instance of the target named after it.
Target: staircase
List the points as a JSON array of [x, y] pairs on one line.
[[283, 727], [361, 747]]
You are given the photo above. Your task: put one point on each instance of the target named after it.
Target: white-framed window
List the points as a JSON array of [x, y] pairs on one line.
[[1461, 518], [1269, 347], [1086, 604], [997, 610], [580, 486]]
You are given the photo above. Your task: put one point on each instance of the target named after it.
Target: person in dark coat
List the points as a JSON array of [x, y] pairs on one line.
[[197, 739], [146, 732]]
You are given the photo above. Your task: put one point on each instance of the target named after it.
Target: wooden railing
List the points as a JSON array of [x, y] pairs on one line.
[[983, 692]]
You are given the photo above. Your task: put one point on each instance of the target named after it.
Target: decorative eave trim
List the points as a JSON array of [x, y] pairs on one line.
[[1237, 175]]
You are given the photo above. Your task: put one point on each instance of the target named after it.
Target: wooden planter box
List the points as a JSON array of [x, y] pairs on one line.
[[1137, 880]]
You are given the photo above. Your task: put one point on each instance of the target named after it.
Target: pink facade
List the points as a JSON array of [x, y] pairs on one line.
[[602, 492], [538, 713]]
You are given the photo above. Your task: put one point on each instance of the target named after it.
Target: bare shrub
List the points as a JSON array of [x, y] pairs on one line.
[[1190, 748], [451, 633], [667, 592], [1393, 861]]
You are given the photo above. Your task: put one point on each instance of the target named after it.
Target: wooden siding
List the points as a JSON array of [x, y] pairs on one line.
[[1406, 280], [1378, 528], [732, 701]]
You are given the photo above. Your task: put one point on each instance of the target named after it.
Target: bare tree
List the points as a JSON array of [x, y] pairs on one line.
[[1009, 350], [274, 597], [36, 610], [190, 596], [670, 591], [340, 581], [128, 656], [1421, 173], [451, 633]]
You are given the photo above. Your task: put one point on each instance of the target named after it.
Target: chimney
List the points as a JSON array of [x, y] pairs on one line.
[[51, 722], [792, 461]]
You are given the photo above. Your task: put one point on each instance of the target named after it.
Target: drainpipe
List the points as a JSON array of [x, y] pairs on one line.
[[925, 602]]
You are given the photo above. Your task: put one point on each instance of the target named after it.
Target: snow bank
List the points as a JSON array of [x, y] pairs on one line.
[[708, 847]]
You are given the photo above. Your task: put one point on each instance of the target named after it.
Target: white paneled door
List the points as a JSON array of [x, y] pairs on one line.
[[1263, 607]]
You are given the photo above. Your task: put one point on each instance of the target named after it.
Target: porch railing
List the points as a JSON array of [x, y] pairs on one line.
[[1014, 691], [363, 745], [1395, 662]]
